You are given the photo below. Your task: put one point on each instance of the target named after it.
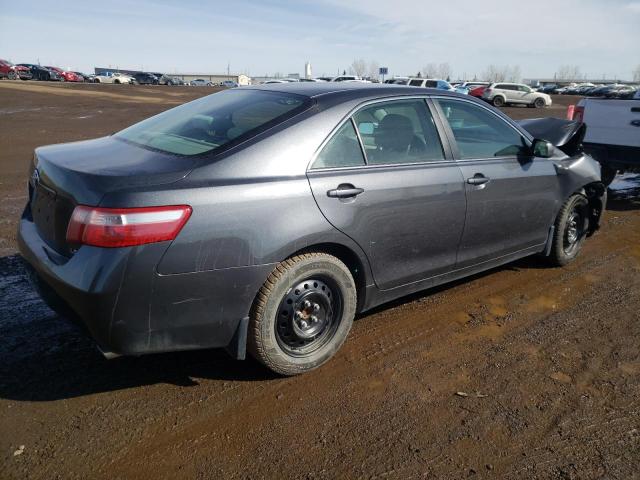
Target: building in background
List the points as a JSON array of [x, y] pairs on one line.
[[307, 71]]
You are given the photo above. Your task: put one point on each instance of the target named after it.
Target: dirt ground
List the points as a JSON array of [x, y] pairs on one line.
[[523, 372]]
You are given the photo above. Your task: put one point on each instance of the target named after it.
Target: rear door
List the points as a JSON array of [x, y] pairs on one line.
[[511, 195], [384, 179]]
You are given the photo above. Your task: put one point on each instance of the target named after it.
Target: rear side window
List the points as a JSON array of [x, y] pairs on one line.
[[215, 121], [416, 83], [401, 131], [479, 133], [342, 150]]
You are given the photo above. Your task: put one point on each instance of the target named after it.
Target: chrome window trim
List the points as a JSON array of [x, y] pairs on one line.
[[349, 117]]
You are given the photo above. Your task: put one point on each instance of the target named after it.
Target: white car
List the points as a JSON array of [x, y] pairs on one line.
[[500, 94], [114, 77], [347, 78]]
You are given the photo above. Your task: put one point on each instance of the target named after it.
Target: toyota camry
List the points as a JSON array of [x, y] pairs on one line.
[[263, 219]]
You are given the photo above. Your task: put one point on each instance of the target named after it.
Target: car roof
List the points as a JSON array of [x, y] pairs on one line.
[[352, 91]]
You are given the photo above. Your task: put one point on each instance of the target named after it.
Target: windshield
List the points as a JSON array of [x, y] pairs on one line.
[[211, 122]]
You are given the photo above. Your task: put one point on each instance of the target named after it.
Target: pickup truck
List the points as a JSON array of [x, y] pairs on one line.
[[613, 134]]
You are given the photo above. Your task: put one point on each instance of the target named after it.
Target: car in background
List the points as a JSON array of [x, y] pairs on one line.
[[500, 94], [14, 72], [143, 78], [39, 72], [478, 91], [169, 80], [66, 76], [85, 77], [348, 78], [621, 92], [114, 77], [471, 85], [177, 232], [435, 83], [199, 82], [397, 81], [229, 84], [550, 88]]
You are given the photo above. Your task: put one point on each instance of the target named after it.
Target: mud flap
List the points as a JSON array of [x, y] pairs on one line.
[[547, 247], [237, 347]]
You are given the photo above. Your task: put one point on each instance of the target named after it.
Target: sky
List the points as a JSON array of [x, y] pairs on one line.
[[265, 37]]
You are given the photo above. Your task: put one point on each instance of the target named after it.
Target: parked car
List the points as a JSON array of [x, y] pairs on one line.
[[500, 94], [478, 91], [613, 134], [143, 78], [621, 91], [199, 82], [86, 77], [229, 84], [168, 80], [114, 77], [14, 72], [347, 78], [177, 233], [66, 76], [40, 73], [435, 83]]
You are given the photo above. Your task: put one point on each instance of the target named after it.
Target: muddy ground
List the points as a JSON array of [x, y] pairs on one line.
[[521, 372]]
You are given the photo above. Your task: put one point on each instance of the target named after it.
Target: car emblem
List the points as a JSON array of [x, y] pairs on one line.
[[35, 177]]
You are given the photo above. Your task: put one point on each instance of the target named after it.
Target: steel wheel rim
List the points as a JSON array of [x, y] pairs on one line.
[[308, 316], [573, 231]]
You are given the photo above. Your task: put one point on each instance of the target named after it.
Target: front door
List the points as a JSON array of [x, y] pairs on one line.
[[511, 195], [403, 200]]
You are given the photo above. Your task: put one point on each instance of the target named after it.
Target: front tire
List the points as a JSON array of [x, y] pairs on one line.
[[302, 314], [12, 76], [498, 101], [539, 103], [571, 229]]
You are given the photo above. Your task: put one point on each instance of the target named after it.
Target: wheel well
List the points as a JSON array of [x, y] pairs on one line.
[[596, 194], [349, 258]]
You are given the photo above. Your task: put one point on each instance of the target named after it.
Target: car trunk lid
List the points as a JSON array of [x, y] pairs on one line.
[[81, 173]]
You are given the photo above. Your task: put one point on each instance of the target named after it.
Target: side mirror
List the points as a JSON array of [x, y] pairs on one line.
[[542, 148]]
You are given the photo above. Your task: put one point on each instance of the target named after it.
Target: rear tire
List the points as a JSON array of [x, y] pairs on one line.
[[302, 314], [498, 101], [12, 76], [571, 228]]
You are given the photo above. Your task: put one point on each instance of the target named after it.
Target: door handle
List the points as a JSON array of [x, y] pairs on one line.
[[635, 123], [345, 190], [478, 179]]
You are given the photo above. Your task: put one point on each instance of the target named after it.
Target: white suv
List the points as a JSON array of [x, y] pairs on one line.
[[500, 94]]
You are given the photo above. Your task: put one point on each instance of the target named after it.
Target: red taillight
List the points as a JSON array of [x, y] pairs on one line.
[[125, 227], [578, 113]]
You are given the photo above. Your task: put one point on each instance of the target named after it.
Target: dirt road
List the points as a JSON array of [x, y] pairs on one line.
[[521, 372]]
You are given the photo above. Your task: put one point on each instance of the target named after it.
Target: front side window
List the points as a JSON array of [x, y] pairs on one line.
[[207, 124], [416, 83], [401, 131], [342, 150], [481, 134]]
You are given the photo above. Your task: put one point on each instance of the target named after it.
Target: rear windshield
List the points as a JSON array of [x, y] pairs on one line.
[[214, 121]]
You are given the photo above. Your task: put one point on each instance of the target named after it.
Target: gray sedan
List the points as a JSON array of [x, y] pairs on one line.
[[265, 218]]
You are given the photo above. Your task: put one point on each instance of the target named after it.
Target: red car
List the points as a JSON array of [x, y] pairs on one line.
[[13, 72], [66, 76], [477, 91]]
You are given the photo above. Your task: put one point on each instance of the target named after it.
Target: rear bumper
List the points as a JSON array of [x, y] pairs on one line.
[[129, 309]]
